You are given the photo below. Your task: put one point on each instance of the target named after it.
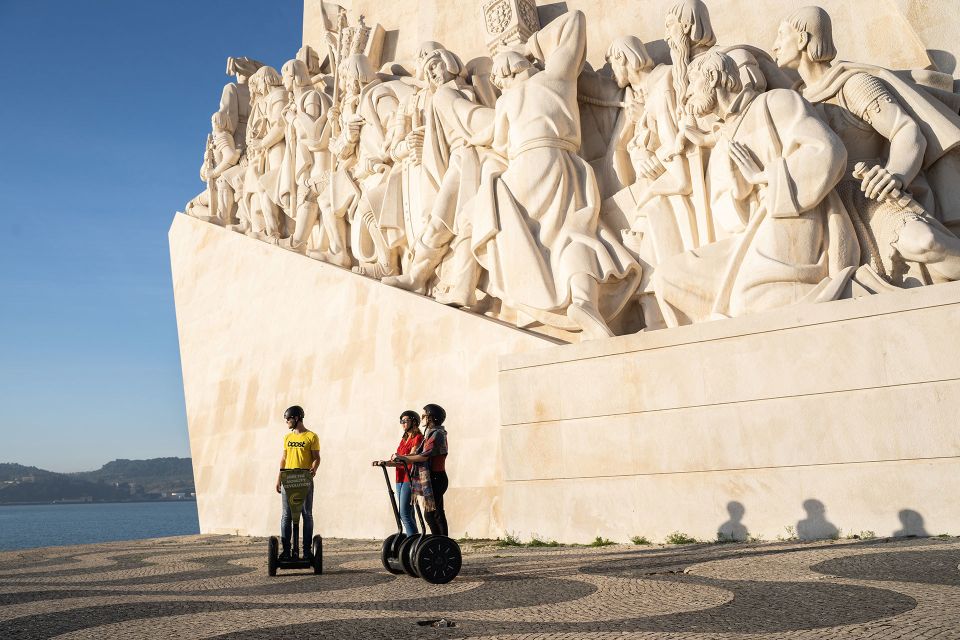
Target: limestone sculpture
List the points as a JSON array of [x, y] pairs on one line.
[[894, 134], [771, 178], [582, 202]]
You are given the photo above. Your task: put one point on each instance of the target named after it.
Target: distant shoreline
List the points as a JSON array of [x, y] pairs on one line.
[[61, 503]]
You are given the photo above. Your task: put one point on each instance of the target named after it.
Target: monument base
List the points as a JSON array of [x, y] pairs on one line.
[[809, 420], [262, 329], [815, 420]]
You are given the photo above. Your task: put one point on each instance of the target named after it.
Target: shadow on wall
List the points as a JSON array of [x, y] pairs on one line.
[[816, 526], [547, 12], [911, 524], [733, 529], [945, 61]]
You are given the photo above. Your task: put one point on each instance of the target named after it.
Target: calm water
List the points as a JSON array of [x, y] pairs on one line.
[[45, 525]]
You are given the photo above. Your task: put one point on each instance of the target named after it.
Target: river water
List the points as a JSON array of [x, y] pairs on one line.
[[45, 525]]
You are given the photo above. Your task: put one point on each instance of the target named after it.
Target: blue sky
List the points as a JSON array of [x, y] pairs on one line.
[[105, 108]]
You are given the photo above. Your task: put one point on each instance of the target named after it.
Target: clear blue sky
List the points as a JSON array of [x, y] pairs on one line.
[[105, 111]]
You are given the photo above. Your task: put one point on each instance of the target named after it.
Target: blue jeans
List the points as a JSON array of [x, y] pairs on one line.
[[306, 517], [406, 509]]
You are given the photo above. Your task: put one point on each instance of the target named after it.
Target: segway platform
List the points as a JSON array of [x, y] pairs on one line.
[[436, 559], [296, 483]]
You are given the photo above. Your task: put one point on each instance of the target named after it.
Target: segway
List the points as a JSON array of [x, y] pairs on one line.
[[390, 550], [296, 483], [436, 559]]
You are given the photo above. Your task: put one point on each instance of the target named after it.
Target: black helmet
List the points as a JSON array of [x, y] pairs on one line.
[[414, 417], [295, 412], [436, 412]]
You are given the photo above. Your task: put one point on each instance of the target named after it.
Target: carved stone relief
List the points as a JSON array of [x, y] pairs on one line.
[[509, 22], [582, 204]]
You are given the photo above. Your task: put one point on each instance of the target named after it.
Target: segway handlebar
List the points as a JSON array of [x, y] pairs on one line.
[[393, 498]]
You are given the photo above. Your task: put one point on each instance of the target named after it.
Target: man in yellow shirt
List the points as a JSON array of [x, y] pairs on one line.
[[301, 450]]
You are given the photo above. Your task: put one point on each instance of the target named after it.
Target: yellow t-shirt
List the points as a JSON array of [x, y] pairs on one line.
[[298, 447]]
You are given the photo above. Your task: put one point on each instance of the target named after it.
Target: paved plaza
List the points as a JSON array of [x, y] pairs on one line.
[[217, 587]]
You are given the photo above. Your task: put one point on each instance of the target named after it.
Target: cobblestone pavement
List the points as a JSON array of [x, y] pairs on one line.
[[217, 587]]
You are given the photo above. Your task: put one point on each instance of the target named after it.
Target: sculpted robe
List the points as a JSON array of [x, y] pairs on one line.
[[788, 236], [535, 225], [845, 97]]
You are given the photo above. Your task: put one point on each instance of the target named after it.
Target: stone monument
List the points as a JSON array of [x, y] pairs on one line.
[[747, 236]]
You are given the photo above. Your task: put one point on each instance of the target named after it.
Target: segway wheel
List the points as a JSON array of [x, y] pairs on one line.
[[405, 553], [317, 555], [438, 559], [389, 551], [273, 552]]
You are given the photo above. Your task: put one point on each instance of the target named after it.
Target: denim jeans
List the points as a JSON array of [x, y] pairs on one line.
[[306, 517], [406, 509]]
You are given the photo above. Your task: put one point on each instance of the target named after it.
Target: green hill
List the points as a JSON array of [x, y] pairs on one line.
[[156, 474], [120, 480]]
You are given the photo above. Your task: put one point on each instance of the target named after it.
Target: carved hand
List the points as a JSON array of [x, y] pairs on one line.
[[751, 169], [353, 129], [879, 184], [635, 110], [414, 141], [651, 168]]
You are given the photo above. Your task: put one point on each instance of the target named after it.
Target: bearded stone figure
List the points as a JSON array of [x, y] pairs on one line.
[[582, 201], [772, 175]]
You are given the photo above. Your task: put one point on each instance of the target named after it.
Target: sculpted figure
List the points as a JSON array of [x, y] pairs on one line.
[[535, 225], [217, 201], [446, 147], [363, 153], [306, 168], [265, 153], [894, 134], [235, 100], [410, 189], [771, 176]]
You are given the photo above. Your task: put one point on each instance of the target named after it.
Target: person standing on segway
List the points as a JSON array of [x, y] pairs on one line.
[[429, 475], [411, 439], [301, 450]]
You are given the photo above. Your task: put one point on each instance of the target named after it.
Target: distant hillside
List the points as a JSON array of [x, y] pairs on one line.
[[156, 474], [120, 480]]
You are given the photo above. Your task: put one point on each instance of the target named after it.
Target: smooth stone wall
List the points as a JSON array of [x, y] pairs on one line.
[[890, 33], [851, 403], [262, 328]]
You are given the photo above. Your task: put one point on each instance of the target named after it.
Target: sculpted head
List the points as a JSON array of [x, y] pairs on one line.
[[806, 32], [219, 122], [423, 51], [296, 75], [510, 69], [356, 72], [712, 77], [264, 79], [628, 58], [688, 24], [242, 67], [441, 66]]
